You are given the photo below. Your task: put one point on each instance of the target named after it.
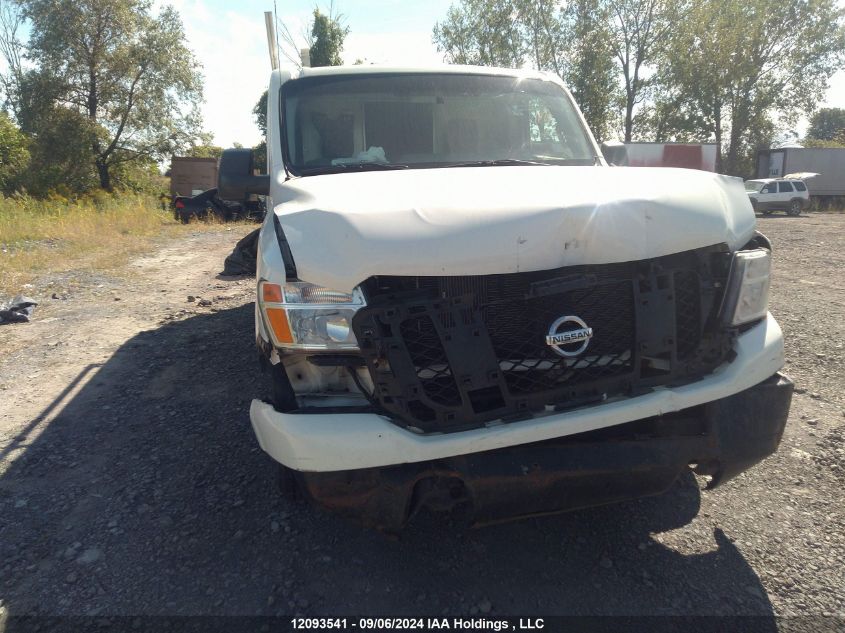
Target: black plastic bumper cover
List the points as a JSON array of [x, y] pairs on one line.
[[723, 438]]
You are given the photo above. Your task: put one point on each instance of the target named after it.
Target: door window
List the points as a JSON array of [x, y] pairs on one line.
[[784, 187], [770, 188]]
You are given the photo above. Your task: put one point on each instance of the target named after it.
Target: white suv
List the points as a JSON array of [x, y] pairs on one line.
[[772, 194]]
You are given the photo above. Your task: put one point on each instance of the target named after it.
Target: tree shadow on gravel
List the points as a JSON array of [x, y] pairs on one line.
[[148, 494]]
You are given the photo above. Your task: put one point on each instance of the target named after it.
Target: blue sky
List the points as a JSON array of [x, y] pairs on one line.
[[229, 40]]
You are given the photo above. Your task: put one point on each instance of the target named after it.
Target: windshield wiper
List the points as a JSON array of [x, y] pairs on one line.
[[330, 169], [497, 162]]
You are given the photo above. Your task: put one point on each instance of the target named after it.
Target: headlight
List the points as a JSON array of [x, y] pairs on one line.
[[306, 316], [747, 295]]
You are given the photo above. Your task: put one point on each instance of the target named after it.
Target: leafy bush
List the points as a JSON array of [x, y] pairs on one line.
[[61, 154], [14, 154]]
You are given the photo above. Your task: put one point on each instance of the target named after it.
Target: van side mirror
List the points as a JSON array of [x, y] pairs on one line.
[[235, 177], [615, 153]]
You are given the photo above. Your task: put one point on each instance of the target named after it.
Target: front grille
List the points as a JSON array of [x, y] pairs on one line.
[[450, 353], [429, 359], [687, 312], [528, 364]]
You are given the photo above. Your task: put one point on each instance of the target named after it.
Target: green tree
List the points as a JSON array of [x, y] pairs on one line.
[[12, 51], [61, 150], [327, 37], [543, 25], [837, 142], [14, 154], [482, 33], [204, 151], [827, 124], [260, 113], [592, 75], [571, 42], [669, 116], [735, 65], [141, 176], [639, 31], [260, 150], [126, 70]]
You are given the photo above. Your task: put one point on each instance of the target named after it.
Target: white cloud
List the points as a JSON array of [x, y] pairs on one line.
[[410, 48], [232, 48]]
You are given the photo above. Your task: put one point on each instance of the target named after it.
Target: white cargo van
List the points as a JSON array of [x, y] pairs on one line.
[[461, 304]]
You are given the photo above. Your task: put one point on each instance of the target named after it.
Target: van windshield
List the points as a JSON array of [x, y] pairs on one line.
[[754, 185], [397, 121]]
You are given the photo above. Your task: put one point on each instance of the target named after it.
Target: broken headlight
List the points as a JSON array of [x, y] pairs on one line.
[[747, 295], [306, 316]]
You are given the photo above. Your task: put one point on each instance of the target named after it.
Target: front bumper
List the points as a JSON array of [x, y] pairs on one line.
[[333, 442], [641, 458]]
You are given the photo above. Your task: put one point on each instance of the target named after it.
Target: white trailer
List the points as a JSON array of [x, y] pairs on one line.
[[828, 163]]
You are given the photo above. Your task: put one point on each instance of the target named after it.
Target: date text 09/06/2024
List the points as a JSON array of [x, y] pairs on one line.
[[417, 624]]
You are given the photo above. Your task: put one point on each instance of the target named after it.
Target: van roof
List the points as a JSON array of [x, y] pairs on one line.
[[369, 69]]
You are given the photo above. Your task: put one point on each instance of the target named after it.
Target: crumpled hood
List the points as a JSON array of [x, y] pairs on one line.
[[344, 228]]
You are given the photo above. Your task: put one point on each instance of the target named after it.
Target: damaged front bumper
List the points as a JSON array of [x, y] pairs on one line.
[[332, 441], [364, 465], [721, 438]]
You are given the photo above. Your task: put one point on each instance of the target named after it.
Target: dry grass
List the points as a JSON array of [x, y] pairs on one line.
[[56, 235]]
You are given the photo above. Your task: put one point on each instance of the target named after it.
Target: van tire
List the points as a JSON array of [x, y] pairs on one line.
[[794, 208]]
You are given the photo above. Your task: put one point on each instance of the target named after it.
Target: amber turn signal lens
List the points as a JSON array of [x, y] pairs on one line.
[[279, 322], [272, 293]]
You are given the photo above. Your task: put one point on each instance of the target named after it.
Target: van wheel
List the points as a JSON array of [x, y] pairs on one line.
[[794, 208]]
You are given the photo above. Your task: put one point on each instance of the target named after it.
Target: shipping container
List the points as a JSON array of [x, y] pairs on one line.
[[191, 176], [828, 163]]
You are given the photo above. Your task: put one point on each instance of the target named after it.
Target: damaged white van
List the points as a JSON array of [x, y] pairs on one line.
[[461, 304]]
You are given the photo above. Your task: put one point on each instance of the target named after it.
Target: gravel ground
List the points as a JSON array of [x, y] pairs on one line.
[[130, 481]]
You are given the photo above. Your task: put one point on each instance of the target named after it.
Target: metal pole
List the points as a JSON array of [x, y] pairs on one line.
[[271, 39]]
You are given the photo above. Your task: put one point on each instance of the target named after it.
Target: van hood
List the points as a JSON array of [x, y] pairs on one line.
[[344, 228]]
